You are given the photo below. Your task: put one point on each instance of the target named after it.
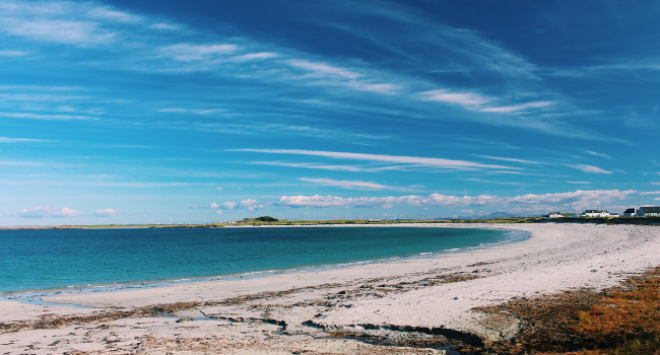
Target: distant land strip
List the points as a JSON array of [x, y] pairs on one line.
[[272, 221]]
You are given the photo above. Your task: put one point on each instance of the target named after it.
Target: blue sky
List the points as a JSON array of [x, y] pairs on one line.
[[204, 111]]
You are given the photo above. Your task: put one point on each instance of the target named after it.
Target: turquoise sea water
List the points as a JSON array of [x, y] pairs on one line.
[[45, 259]]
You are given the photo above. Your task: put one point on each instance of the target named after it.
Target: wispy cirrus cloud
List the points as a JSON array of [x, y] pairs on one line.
[[514, 160], [512, 183], [188, 53], [599, 154], [13, 53], [45, 117], [430, 162], [590, 169], [323, 69], [477, 102], [352, 168], [167, 47], [346, 184], [20, 140], [517, 108], [468, 100], [330, 75], [254, 56], [80, 24], [20, 163], [194, 111]]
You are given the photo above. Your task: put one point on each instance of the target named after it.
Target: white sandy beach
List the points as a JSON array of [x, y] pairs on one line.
[[289, 312]]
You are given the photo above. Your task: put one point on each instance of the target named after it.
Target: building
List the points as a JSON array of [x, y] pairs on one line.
[[630, 212], [650, 211], [555, 215], [596, 213]]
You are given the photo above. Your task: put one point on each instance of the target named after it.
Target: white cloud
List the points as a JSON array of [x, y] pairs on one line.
[[113, 15], [35, 116], [144, 184], [347, 184], [250, 205], [322, 69], [19, 140], [195, 111], [219, 213], [314, 166], [218, 188], [77, 23], [73, 32], [48, 212], [476, 102], [213, 205], [511, 159], [19, 163], [105, 213], [516, 108], [164, 26], [431, 162], [590, 169], [599, 154], [187, 52], [465, 99], [9, 53], [650, 193], [329, 75], [229, 205], [381, 88], [574, 199], [255, 56]]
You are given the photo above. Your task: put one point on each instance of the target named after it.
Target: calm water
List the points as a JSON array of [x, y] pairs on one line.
[[42, 259]]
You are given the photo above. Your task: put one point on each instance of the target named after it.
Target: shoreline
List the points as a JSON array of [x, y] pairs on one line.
[[420, 298], [511, 236]]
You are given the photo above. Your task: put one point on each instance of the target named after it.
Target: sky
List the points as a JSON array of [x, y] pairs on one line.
[[202, 111]]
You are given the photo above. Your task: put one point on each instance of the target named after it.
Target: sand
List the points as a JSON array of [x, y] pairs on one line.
[[398, 299]]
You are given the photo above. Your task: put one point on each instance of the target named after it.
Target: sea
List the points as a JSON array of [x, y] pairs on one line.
[[52, 259]]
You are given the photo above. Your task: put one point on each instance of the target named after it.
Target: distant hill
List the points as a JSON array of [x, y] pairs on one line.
[[498, 214]]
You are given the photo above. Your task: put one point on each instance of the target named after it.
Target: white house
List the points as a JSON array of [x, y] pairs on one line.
[[649, 211], [630, 212], [555, 215], [596, 213]]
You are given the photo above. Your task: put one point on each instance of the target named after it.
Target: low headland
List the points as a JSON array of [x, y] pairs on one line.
[[570, 288]]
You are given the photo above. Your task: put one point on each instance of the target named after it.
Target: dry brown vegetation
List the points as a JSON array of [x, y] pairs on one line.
[[627, 322], [623, 320]]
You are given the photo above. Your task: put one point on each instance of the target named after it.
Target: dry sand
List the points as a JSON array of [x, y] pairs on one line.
[[398, 300]]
